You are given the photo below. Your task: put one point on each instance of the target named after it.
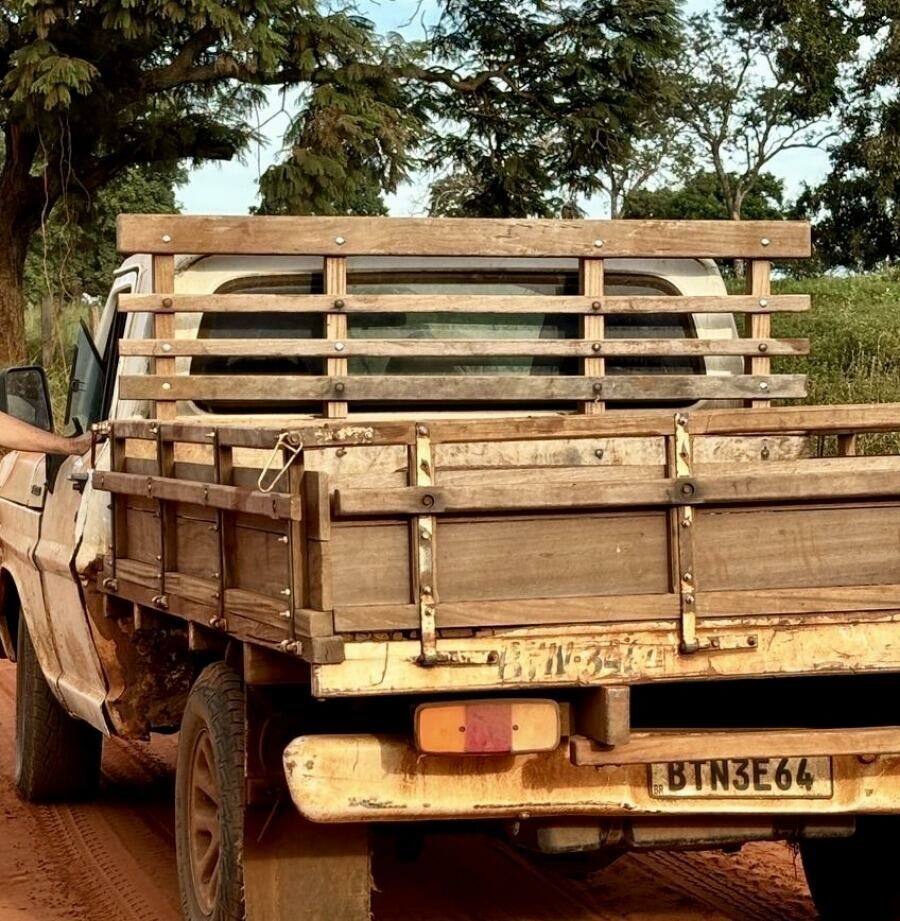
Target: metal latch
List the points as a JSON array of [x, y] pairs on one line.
[[291, 444]]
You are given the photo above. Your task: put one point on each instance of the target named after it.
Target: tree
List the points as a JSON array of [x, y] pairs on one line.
[[847, 54], [532, 101], [739, 106], [700, 197], [92, 87]]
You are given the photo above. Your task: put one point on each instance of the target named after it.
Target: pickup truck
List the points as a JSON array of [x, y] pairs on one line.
[[430, 521]]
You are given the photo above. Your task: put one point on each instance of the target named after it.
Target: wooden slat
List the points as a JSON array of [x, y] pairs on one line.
[[461, 348], [361, 236], [164, 326], [469, 614], [336, 329], [759, 285], [229, 498], [650, 747], [707, 490], [461, 388], [593, 327], [462, 303], [819, 600]]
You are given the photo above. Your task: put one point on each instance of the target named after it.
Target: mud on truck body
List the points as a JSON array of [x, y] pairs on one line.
[[408, 521]]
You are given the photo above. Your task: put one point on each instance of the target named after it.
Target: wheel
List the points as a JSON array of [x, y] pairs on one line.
[[209, 798], [855, 877], [57, 755]]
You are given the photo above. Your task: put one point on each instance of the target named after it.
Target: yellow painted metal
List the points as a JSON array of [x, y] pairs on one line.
[[363, 778]]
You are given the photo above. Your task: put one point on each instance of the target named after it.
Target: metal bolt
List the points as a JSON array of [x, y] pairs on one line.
[[166, 347], [763, 385], [339, 387], [167, 386], [681, 419], [597, 305], [340, 241], [763, 347], [428, 500], [283, 539], [339, 346], [687, 577], [763, 302], [166, 238], [424, 535], [168, 303], [687, 489], [598, 389], [751, 641], [286, 592], [598, 453], [765, 241], [421, 429], [598, 244], [596, 347], [686, 522], [689, 598], [339, 304], [426, 589], [294, 440], [284, 615]]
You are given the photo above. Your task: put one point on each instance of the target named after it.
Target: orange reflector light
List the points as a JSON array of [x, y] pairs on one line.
[[487, 727]]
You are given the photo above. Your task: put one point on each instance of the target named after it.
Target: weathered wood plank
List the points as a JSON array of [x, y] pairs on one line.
[[360, 236], [594, 305], [461, 348], [336, 329], [677, 745], [164, 325], [759, 285], [695, 491], [230, 498], [462, 388]]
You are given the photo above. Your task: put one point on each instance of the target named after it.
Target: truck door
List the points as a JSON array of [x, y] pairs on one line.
[[68, 506]]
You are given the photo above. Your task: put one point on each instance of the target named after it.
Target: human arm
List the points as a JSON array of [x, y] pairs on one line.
[[16, 435]]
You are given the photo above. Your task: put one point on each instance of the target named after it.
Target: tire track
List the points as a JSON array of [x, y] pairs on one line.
[[714, 879]]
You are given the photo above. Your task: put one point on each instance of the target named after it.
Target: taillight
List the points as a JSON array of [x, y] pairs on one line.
[[487, 727]]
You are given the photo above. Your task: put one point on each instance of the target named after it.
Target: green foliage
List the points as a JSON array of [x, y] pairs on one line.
[[532, 101], [700, 197], [849, 55]]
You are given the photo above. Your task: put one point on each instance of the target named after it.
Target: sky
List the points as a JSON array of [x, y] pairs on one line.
[[231, 187]]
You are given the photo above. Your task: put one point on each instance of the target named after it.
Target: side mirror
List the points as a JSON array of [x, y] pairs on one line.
[[25, 395]]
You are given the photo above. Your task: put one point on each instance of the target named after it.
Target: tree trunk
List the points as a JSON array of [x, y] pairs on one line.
[[12, 295]]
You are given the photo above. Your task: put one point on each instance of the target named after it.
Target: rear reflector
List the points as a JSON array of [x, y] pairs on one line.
[[487, 727]]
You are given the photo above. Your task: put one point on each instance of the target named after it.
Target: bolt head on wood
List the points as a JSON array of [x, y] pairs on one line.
[[339, 304], [340, 241], [421, 429], [596, 305], [166, 386], [596, 347], [339, 346], [763, 386], [166, 238], [763, 302], [166, 347], [765, 241], [687, 577], [339, 387], [598, 244], [763, 347]]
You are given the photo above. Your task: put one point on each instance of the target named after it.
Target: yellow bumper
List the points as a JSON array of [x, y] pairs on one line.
[[366, 778]]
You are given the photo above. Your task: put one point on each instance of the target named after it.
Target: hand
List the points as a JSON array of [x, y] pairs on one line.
[[81, 444]]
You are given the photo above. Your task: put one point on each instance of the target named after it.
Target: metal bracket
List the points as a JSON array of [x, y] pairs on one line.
[[423, 534], [681, 465], [292, 445]]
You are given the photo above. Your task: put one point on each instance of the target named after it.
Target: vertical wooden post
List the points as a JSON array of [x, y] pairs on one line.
[[759, 285], [336, 328], [593, 326], [164, 326], [223, 460]]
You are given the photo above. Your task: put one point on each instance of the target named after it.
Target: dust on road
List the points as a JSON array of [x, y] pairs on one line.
[[113, 860]]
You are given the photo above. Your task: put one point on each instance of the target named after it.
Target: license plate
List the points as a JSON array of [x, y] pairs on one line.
[[743, 778]]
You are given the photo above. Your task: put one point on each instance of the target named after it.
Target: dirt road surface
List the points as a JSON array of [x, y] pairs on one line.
[[113, 860]]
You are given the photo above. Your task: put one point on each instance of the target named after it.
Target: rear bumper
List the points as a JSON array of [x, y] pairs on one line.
[[366, 778]]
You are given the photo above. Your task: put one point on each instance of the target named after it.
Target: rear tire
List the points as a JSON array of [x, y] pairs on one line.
[[57, 755], [855, 877], [209, 798]]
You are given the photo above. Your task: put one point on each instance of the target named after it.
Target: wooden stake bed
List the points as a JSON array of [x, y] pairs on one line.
[[312, 533]]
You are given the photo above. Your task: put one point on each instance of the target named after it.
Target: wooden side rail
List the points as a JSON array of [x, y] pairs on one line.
[[798, 486], [654, 747], [367, 236]]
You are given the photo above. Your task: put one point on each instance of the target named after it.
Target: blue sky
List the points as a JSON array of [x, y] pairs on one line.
[[231, 188]]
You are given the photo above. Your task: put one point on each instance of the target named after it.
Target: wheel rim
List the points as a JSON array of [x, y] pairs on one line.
[[204, 825]]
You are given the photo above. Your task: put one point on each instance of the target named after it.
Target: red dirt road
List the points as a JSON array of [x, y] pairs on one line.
[[113, 860]]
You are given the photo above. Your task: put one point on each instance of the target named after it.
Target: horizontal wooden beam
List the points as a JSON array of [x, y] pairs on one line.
[[367, 236], [458, 348], [211, 495], [655, 747], [459, 388], [695, 491], [459, 303]]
